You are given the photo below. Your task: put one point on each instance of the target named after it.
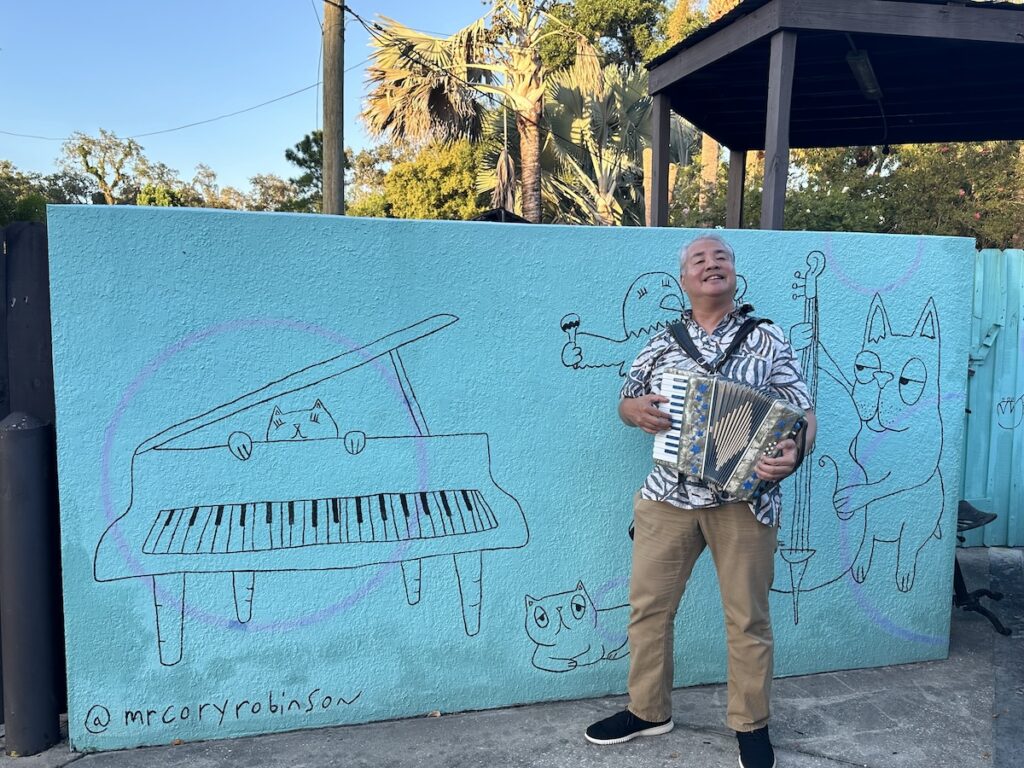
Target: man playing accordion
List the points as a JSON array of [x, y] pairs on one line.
[[675, 516]]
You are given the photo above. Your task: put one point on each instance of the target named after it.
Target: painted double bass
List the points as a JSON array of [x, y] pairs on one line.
[[799, 551]]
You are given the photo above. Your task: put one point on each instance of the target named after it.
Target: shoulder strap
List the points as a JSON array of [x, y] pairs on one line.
[[682, 336]]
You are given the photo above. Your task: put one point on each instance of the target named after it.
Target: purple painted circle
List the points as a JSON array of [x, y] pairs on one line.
[[835, 266], [149, 370]]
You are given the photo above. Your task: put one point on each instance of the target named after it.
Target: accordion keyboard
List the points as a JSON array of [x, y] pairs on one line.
[[666, 443], [272, 525]]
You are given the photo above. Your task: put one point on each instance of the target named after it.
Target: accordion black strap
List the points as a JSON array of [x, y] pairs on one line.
[[682, 337]]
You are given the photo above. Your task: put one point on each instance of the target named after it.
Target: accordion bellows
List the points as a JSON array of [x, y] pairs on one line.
[[720, 429]]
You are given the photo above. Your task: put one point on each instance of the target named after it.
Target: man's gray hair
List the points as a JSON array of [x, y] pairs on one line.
[[706, 236]]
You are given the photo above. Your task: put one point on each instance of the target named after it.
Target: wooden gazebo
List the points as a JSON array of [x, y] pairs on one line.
[[776, 74]]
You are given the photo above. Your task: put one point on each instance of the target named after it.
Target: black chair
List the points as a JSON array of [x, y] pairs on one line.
[[969, 517]]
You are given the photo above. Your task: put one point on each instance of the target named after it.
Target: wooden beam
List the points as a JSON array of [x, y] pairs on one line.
[[658, 216], [734, 193], [776, 137], [745, 30], [883, 17]]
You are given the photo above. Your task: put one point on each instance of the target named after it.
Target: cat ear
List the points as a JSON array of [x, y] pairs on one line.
[[878, 322], [318, 405], [580, 587], [928, 325], [276, 412], [530, 601]]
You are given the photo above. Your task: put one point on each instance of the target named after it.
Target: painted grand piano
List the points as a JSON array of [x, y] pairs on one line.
[[398, 500]]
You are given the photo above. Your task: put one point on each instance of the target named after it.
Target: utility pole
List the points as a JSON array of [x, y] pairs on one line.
[[334, 92]]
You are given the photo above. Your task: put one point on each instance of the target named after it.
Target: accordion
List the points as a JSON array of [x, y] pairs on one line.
[[720, 429]]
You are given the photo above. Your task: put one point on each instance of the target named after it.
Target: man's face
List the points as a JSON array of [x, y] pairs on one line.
[[709, 271]]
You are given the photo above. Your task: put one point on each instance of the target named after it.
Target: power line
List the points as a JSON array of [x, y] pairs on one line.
[[193, 124], [32, 136], [229, 114]]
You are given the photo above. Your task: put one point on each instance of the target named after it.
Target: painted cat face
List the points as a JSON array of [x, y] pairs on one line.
[[547, 617], [896, 375], [305, 424]]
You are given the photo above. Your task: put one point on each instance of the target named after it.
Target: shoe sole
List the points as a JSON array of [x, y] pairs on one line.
[[774, 763], [655, 731]]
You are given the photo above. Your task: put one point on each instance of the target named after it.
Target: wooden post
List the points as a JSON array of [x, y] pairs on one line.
[[734, 193], [658, 216], [776, 141], [334, 122]]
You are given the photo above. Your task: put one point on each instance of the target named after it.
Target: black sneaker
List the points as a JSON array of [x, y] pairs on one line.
[[756, 749], [623, 726]]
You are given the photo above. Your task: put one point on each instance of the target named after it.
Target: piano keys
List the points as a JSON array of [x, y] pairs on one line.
[[270, 525], [666, 442]]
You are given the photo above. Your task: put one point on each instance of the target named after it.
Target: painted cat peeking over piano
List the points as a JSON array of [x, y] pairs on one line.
[[308, 499], [303, 424]]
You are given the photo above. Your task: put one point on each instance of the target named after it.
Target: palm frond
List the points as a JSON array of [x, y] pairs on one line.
[[422, 87]]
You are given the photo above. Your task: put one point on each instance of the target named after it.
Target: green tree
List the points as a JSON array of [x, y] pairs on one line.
[[114, 163], [158, 195], [23, 196], [437, 182], [685, 18], [972, 190], [67, 187], [308, 156], [13, 185], [204, 191], [367, 171], [626, 32], [272, 193], [31, 207], [428, 88]]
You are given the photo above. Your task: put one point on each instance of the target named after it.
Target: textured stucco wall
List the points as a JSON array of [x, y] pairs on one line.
[[170, 324]]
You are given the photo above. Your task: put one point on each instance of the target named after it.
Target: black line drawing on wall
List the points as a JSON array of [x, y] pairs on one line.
[[652, 301], [253, 506], [797, 552], [899, 444], [1010, 412], [314, 423], [571, 631], [888, 488]]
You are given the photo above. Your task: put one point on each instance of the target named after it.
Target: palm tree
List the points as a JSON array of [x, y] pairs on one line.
[[599, 126], [427, 87]]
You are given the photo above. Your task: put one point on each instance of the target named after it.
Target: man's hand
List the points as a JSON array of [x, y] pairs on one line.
[[776, 468], [643, 412]]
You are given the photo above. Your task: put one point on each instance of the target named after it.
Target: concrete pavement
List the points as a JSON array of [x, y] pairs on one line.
[[963, 712]]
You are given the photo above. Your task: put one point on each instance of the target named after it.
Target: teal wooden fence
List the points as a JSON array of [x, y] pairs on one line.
[[993, 477]]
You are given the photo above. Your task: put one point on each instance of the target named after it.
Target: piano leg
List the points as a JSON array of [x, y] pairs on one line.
[[244, 582], [169, 600], [412, 574], [469, 571]]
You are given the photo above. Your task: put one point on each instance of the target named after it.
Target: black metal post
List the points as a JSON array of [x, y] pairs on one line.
[[27, 564]]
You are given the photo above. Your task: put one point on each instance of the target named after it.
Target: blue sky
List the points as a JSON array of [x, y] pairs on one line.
[[137, 67]]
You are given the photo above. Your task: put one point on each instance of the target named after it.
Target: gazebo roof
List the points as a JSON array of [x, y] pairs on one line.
[[947, 71]]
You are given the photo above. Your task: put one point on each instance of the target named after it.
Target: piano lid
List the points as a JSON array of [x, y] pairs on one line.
[[301, 379]]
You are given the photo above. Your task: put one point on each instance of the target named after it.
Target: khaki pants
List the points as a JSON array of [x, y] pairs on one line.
[[667, 542]]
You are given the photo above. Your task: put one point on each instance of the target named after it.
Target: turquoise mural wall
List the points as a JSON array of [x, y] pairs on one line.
[[319, 470]]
